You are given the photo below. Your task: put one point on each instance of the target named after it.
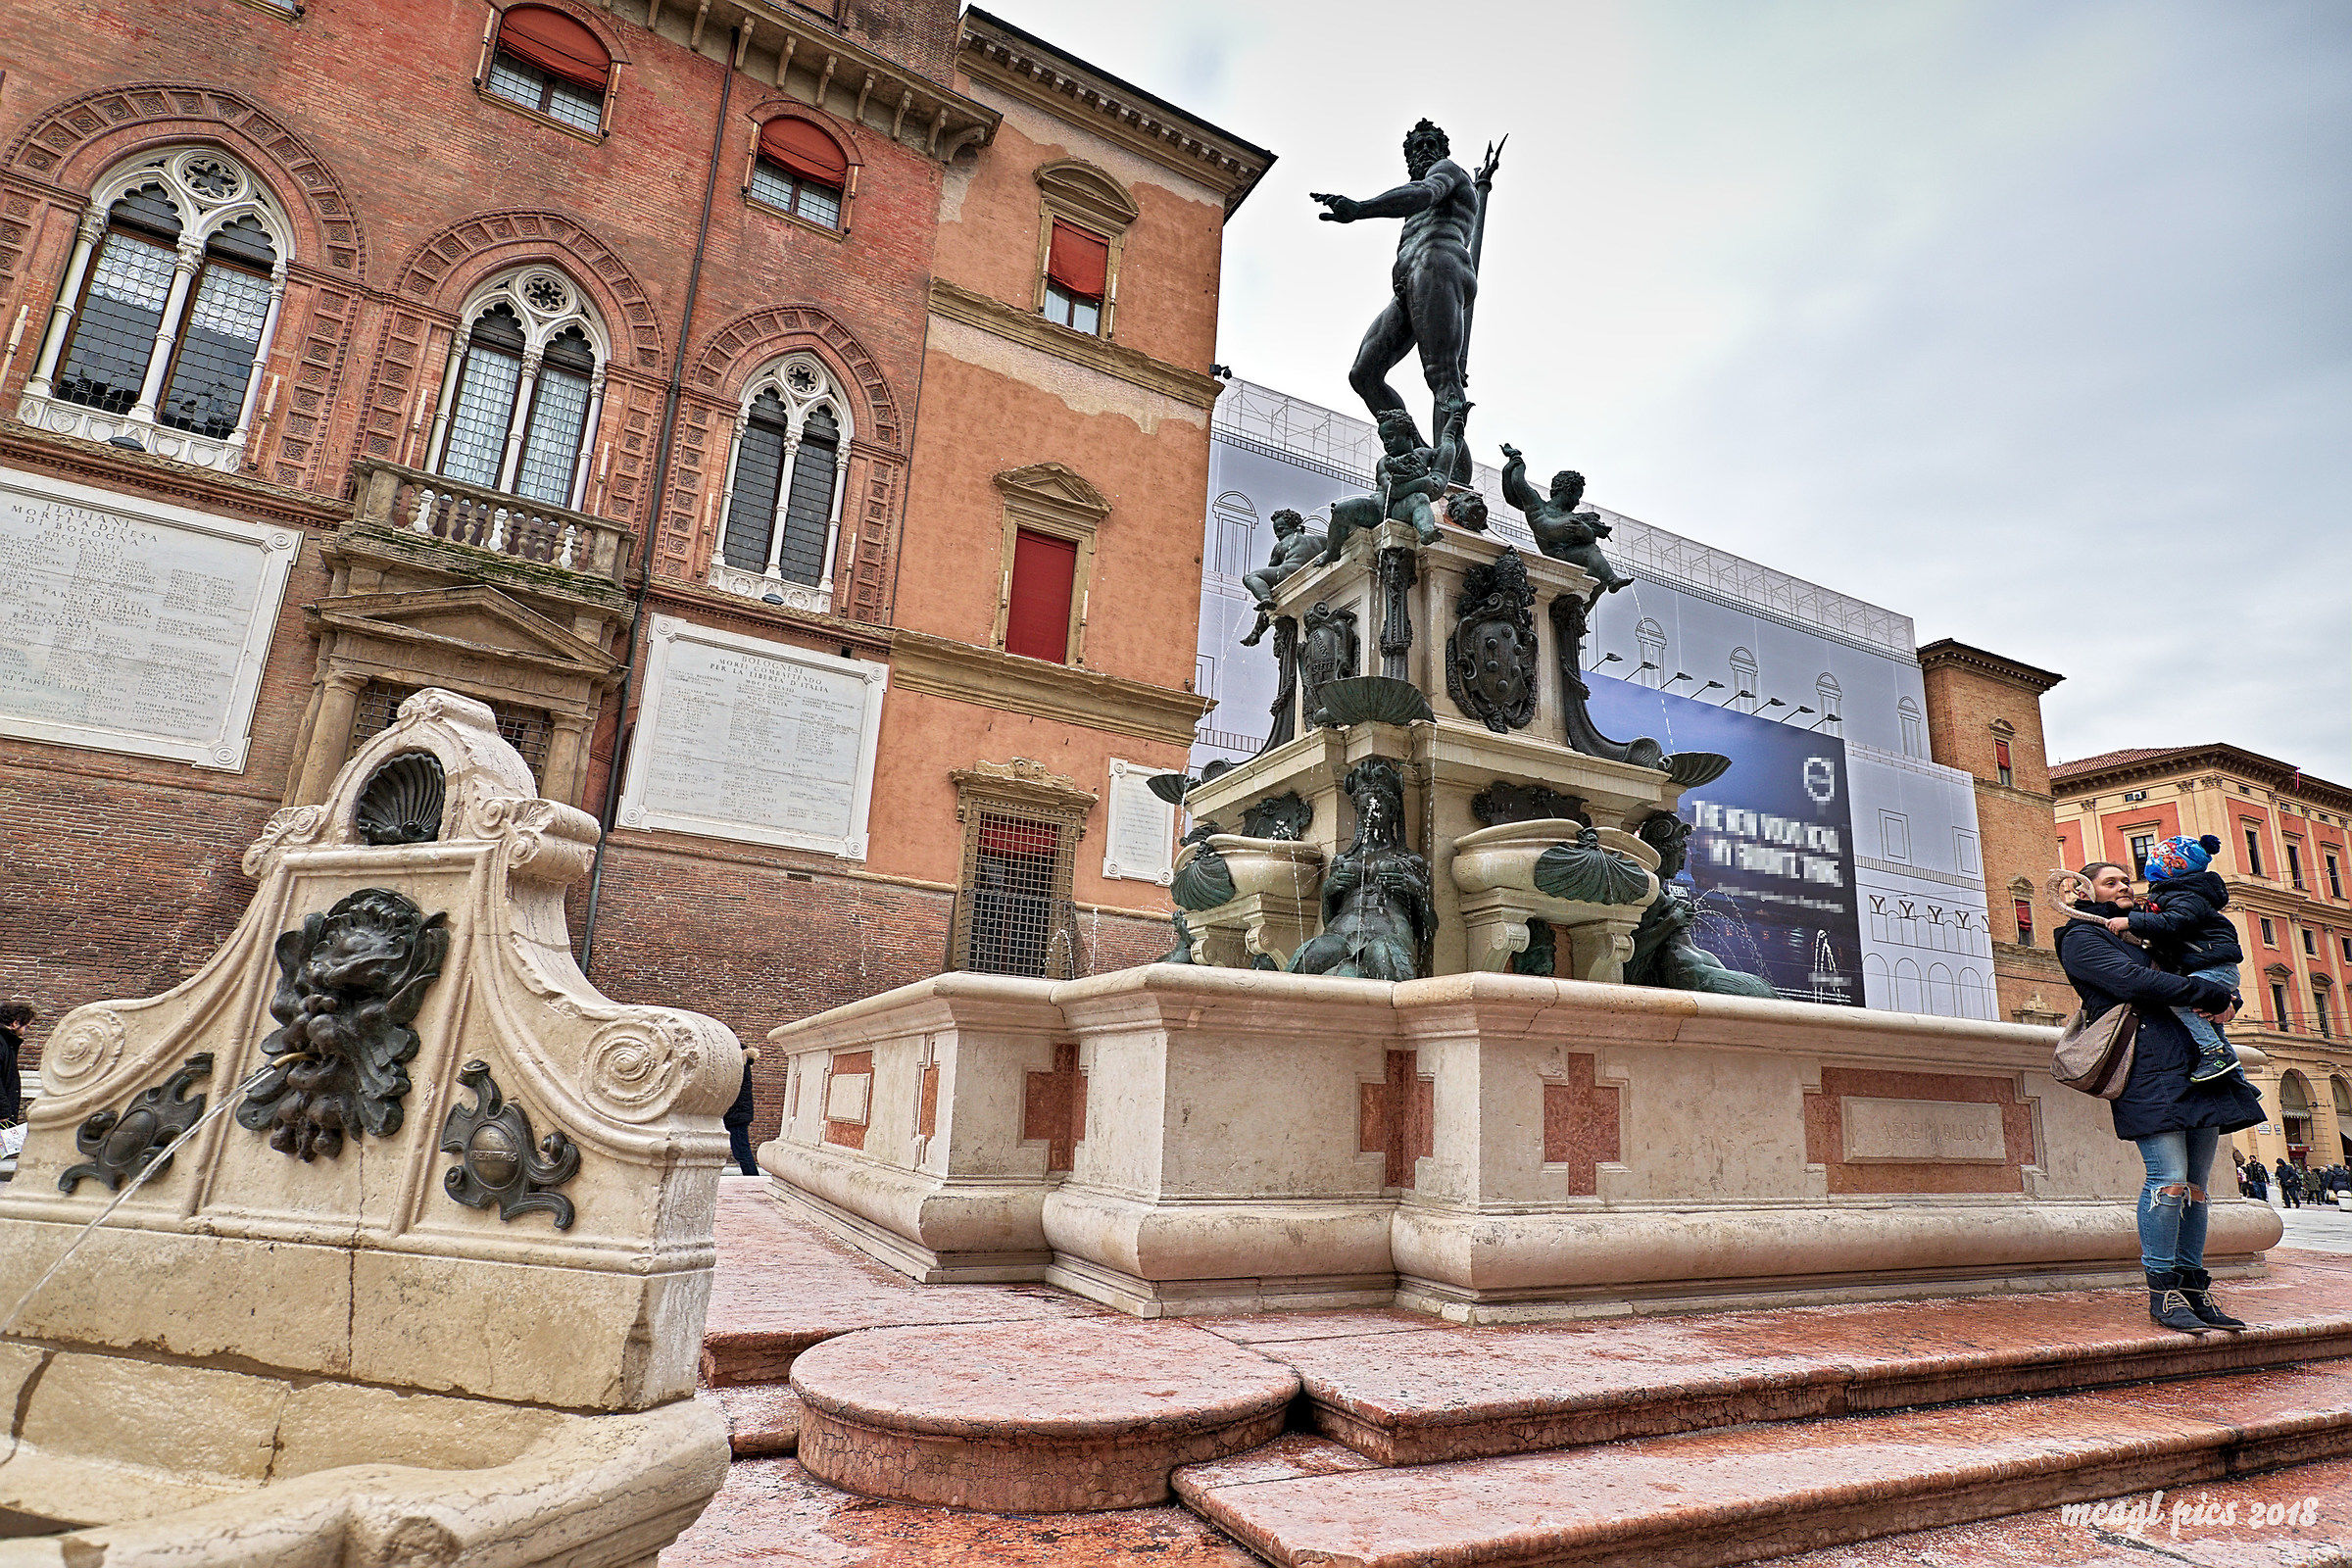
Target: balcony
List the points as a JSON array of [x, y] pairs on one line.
[[477, 517]]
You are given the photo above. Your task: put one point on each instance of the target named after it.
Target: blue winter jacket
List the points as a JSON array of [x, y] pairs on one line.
[[2182, 923], [2109, 972]]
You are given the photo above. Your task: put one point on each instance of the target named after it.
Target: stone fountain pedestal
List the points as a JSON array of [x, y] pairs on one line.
[[465, 1327], [1397, 603]]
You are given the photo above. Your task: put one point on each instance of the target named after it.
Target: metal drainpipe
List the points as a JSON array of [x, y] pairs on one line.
[[645, 561]]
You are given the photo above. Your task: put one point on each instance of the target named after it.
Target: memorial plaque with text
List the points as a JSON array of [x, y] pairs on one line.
[[1143, 826], [743, 738], [133, 625]]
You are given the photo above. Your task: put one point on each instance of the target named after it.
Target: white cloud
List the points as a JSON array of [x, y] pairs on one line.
[[2028, 319]]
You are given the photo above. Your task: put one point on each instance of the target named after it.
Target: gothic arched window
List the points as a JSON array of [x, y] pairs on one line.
[[166, 310], [783, 488], [520, 399]]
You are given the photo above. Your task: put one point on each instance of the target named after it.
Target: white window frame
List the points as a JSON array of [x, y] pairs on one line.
[[548, 303], [770, 585], [183, 173]]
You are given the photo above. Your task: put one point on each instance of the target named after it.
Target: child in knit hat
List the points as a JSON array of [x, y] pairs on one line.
[[2181, 922]]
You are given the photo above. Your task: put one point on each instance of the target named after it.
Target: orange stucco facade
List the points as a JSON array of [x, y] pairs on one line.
[[2287, 858]]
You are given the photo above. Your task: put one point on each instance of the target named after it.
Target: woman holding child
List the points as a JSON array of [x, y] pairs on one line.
[[2174, 1106]]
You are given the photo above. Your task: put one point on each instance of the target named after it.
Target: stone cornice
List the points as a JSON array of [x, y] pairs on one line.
[[1027, 67], [1027, 327], [873, 92], [1022, 782], [112, 468], [1947, 653], [961, 672], [2190, 761]]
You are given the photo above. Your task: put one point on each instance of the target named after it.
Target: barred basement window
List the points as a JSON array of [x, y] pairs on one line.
[[526, 729], [1013, 913], [1013, 893]]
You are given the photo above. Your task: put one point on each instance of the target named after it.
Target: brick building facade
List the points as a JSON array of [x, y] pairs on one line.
[[2286, 858], [1984, 718], [570, 357]]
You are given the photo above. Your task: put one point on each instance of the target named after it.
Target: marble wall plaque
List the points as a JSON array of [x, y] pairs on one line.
[[133, 625], [743, 738], [1141, 845], [1938, 1132]]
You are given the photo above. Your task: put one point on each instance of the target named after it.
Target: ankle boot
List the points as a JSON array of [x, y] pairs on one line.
[[2213, 1063], [2170, 1307], [2197, 1285]]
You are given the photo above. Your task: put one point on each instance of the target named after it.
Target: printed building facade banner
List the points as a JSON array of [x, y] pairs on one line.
[[1771, 842]]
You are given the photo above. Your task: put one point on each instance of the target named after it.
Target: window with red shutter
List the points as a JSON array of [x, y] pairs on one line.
[[1077, 276], [800, 169], [2025, 923], [546, 60], [2000, 762], [1037, 622]]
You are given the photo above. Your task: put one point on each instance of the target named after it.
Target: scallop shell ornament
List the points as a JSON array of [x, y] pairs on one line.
[[401, 801]]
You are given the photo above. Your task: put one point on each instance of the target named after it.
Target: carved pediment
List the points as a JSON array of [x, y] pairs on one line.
[[1088, 192], [1054, 490], [475, 621]]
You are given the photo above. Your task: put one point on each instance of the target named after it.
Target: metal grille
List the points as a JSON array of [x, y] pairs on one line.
[[478, 430], [551, 449], [215, 353], [119, 317], [524, 728], [1015, 924]]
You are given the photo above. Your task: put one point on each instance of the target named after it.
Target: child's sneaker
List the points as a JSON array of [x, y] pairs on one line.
[[2213, 1063]]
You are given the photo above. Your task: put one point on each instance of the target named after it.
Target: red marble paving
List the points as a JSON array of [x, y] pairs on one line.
[[771, 1514], [1416, 1395], [783, 1285], [2203, 1534], [1737, 1495], [764, 1420], [1032, 1416]]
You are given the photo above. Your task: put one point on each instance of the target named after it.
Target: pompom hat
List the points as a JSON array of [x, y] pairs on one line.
[[2182, 856]]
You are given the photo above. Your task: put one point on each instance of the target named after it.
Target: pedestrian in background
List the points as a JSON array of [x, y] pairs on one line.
[[2258, 1180], [16, 1016], [2290, 1184], [738, 1119]]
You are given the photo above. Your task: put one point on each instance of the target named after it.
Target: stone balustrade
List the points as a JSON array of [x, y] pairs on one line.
[[483, 519]]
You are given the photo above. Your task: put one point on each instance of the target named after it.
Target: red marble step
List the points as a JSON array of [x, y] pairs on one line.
[[2298, 1517], [1704, 1499], [771, 1514], [782, 1286], [1404, 1391], [763, 1419], [1036, 1417]]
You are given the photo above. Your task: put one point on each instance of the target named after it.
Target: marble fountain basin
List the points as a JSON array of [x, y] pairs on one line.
[[119, 1460], [1502, 859]]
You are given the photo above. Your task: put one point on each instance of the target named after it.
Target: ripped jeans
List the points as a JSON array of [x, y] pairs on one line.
[[2172, 1203]]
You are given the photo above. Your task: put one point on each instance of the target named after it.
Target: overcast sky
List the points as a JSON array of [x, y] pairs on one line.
[[2029, 321]]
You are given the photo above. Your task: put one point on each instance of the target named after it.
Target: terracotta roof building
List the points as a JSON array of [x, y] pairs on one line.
[[2286, 858]]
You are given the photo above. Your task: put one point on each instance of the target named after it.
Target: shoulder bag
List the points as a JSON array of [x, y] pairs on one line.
[[2094, 1055]]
